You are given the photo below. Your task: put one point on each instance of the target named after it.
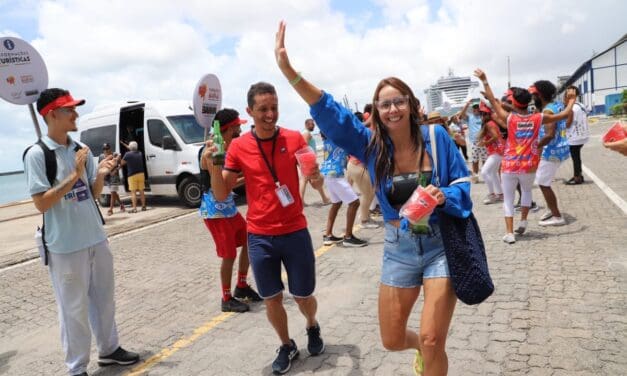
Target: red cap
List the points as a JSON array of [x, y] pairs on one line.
[[484, 108], [63, 101], [233, 123]]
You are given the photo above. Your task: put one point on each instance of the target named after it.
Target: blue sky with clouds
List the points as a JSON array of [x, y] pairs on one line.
[[121, 50]]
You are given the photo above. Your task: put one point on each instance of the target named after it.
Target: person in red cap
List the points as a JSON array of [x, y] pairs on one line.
[[490, 138], [226, 224], [80, 261], [522, 154]]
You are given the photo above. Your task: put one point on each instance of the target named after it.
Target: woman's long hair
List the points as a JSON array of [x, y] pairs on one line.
[[380, 143]]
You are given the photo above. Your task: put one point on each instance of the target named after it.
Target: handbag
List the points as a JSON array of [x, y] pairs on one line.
[[464, 248]]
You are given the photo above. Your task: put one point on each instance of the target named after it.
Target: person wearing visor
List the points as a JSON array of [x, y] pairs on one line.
[[555, 149], [226, 224], [80, 262], [522, 154], [490, 138]]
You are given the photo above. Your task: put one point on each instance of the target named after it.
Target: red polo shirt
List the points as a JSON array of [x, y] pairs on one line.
[[266, 215]]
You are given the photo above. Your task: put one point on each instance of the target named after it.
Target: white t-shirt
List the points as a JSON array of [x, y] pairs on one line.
[[578, 132]]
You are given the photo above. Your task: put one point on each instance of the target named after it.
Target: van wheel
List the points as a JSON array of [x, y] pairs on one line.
[[190, 192], [105, 200]]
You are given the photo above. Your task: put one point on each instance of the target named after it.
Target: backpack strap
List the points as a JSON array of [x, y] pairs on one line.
[[49, 158]]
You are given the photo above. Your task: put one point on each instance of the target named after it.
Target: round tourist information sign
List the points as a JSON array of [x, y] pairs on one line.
[[207, 100], [23, 73]]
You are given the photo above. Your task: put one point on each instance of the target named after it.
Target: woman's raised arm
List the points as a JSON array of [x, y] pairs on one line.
[[304, 88]]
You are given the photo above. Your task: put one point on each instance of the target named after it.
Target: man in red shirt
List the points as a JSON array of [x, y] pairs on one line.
[[276, 225]]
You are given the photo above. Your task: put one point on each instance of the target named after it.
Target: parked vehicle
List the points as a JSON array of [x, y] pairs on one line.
[[167, 135]]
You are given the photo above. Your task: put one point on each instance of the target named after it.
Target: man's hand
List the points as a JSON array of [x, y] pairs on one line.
[[80, 160], [316, 179], [206, 160], [107, 165]]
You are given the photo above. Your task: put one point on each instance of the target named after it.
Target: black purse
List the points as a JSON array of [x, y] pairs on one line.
[[464, 248]]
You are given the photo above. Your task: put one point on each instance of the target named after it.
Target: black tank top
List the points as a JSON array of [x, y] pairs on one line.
[[403, 185]]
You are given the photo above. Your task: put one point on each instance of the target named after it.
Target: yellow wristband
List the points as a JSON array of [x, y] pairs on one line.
[[296, 79]]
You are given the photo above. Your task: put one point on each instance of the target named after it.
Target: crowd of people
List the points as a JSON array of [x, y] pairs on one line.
[[386, 152]]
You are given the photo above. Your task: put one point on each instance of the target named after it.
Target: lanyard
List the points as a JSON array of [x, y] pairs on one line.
[[265, 159]]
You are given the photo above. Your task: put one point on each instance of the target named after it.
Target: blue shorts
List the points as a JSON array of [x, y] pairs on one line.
[[295, 251], [409, 258]]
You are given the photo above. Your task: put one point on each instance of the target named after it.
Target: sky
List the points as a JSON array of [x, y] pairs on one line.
[[118, 50]]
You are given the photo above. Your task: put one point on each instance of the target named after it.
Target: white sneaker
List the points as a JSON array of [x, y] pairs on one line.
[[522, 226], [553, 221], [509, 238], [490, 199], [369, 224], [546, 216]]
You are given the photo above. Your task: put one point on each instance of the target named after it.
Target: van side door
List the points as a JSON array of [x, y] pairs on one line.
[[161, 162]]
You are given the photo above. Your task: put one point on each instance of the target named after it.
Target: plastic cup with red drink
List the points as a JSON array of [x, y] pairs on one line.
[[307, 160], [616, 133], [419, 206]]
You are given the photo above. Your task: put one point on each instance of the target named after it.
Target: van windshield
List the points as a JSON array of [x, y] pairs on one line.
[[187, 128]]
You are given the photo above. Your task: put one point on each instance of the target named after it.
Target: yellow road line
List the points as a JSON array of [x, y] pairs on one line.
[[200, 331]]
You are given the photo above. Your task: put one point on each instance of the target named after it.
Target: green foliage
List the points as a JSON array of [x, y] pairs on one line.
[[619, 108], [624, 96]]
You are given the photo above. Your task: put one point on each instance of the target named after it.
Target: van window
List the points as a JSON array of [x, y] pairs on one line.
[[96, 137], [156, 131], [187, 128]]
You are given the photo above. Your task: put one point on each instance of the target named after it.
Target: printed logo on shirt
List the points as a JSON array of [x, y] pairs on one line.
[[78, 192]]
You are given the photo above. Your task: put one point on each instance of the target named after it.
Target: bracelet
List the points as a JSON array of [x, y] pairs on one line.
[[485, 82], [296, 79]]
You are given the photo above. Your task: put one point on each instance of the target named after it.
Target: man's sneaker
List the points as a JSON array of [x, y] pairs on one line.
[[546, 216], [330, 240], [553, 221], [283, 361], [354, 242], [534, 207], [509, 238], [490, 199], [369, 224], [315, 344], [234, 305], [119, 356], [522, 226], [247, 293]]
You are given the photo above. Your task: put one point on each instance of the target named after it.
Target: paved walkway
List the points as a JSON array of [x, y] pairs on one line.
[[559, 306]]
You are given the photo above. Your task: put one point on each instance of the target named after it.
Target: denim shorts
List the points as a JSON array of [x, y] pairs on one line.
[[409, 258], [294, 251]]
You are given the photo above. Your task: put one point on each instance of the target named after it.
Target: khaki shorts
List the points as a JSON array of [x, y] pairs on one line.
[[136, 182]]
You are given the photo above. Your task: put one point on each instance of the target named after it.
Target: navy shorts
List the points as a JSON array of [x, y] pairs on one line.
[[295, 251]]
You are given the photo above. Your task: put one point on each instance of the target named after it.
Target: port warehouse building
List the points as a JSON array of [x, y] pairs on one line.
[[602, 79]]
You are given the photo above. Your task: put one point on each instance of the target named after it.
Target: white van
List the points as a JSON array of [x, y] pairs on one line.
[[167, 134]]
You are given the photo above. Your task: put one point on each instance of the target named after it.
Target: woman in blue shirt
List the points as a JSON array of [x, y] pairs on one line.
[[398, 156]]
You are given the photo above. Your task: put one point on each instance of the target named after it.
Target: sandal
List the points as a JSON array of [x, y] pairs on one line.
[[122, 208], [110, 212]]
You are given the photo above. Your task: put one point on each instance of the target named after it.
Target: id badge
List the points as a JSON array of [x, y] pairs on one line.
[[284, 195]]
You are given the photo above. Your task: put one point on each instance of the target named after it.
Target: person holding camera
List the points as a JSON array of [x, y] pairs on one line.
[[112, 181]]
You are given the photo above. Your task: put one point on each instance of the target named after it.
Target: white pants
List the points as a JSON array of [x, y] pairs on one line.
[[490, 173], [83, 286], [510, 181]]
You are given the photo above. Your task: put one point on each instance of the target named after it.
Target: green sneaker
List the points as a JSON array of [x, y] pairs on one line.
[[419, 365]]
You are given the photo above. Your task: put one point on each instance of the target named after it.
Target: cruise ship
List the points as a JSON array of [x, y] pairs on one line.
[[450, 93]]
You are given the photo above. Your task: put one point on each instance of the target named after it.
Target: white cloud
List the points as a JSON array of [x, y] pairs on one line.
[[120, 50]]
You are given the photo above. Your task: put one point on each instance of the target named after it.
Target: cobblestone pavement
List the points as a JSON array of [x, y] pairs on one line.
[[559, 307]]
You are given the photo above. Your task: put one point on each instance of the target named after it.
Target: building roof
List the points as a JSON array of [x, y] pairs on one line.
[[588, 65]]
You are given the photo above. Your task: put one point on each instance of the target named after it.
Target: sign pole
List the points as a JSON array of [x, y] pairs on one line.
[[35, 122]]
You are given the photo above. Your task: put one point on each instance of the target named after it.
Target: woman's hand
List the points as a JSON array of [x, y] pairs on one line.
[[280, 52], [437, 193], [480, 75]]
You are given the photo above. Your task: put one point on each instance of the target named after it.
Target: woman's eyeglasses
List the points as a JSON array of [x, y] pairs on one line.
[[399, 102]]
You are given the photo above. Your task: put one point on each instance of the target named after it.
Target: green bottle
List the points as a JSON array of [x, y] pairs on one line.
[[218, 156]]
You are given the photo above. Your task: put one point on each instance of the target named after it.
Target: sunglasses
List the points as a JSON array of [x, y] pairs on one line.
[[399, 102]]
